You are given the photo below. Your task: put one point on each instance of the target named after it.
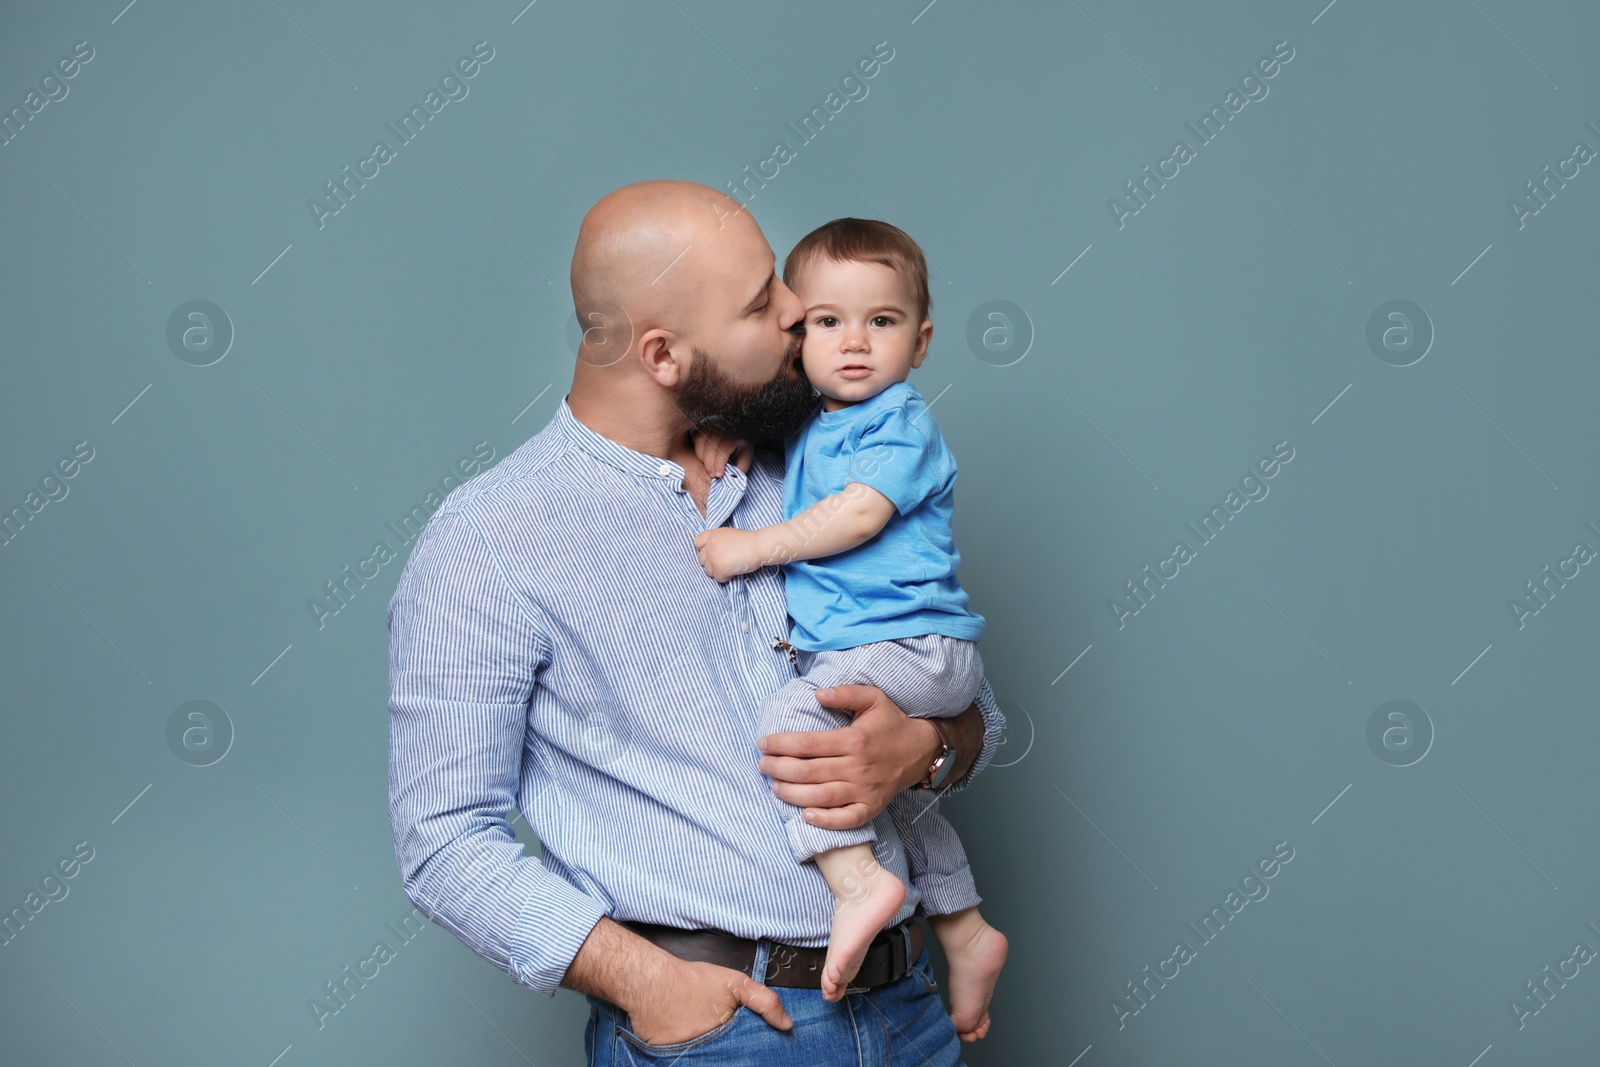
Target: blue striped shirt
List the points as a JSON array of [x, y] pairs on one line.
[[555, 644]]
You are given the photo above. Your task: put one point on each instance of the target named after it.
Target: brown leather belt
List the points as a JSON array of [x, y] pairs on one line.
[[889, 956]]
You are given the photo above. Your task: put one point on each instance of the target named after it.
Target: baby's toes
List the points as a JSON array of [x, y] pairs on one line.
[[830, 984]]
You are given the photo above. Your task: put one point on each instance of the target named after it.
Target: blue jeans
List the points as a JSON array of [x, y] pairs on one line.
[[901, 1024]]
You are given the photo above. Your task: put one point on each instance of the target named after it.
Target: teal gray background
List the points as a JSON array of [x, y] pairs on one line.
[[1149, 763]]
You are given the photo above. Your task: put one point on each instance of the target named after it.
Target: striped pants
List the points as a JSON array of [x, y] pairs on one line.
[[931, 676]]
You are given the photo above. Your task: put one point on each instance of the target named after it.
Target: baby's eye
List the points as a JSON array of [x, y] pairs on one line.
[[826, 320], [884, 319]]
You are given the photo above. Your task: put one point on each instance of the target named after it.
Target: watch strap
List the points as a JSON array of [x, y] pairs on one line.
[[943, 762]]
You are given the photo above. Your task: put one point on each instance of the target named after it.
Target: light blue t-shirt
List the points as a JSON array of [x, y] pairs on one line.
[[902, 582]]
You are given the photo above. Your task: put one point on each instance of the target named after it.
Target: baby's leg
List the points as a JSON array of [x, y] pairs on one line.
[[937, 676], [865, 898], [975, 952], [938, 867], [935, 861], [951, 672], [928, 677], [794, 707], [932, 676]]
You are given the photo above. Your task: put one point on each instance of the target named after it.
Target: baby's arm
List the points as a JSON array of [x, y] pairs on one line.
[[832, 525]]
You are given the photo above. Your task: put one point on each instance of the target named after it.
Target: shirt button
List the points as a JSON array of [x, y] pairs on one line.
[[746, 626], [666, 469]]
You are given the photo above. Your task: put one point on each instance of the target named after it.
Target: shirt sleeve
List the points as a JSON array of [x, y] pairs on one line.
[[903, 459], [994, 723], [464, 654]]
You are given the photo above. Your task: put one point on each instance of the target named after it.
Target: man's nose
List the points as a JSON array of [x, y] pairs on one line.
[[792, 313]]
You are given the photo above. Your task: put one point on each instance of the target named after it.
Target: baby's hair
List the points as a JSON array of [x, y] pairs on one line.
[[866, 241]]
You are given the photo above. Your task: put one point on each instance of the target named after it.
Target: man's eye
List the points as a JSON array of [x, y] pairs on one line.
[[762, 308]]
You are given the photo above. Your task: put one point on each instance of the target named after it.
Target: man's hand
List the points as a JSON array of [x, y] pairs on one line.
[[728, 551], [715, 452], [667, 999], [695, 998], [846, 777]]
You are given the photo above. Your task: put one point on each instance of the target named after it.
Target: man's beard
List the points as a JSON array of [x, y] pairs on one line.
[[761, 414]]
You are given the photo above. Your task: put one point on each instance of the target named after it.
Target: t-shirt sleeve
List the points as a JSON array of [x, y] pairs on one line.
[[904, 459]]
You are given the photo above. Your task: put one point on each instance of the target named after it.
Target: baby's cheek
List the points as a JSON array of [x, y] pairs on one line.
[[813, 357]]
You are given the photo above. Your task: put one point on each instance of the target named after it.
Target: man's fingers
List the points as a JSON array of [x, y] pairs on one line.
[[848, 697], [764, 1002], [793, 769], [818, 795], [846, 818], [807, 744]]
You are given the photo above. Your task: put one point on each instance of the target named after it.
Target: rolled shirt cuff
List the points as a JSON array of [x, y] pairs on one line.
[[550, 929], [807, 840], [946, 894]]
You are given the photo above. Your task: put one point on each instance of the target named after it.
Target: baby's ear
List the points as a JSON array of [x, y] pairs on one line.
[[924, 335]]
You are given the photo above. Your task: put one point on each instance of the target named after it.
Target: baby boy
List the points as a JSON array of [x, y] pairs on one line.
[[870, 580]]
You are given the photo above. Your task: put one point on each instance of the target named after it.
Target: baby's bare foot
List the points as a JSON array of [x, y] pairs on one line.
[[862, 908], [975, 952]]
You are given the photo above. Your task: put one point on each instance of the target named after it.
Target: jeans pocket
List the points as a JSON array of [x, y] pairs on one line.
[[677, 1048]]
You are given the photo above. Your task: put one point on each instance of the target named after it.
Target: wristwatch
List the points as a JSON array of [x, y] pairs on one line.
[[943, 763]]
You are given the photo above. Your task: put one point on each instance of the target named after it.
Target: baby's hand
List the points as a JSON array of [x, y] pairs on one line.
[[728, 551], [714, 451]]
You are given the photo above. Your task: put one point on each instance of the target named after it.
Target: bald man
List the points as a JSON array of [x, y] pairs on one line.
[[555, 644]]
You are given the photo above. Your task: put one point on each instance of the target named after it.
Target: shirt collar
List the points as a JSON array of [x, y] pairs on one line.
[[608, 451], [638, 464]]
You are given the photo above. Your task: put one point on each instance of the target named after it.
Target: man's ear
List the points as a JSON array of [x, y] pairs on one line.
[[659, 360], [924, 335]]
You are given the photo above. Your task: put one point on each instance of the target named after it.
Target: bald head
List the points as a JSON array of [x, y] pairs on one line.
[[644, 249], [685, 320]]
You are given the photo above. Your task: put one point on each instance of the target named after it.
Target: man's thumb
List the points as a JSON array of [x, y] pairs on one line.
[[765, 1003]]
